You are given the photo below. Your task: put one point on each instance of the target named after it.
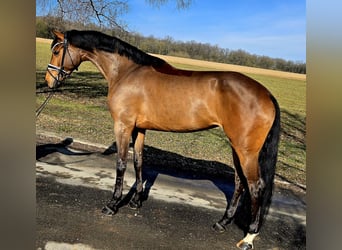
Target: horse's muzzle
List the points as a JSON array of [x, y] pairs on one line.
[[59, 79]]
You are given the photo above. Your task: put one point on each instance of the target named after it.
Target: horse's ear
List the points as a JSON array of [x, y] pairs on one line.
[[58, 34]]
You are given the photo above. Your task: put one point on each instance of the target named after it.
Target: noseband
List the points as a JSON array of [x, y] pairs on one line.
[[62, 74]]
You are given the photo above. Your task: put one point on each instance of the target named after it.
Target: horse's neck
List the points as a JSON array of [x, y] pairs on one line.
[[111, 65]]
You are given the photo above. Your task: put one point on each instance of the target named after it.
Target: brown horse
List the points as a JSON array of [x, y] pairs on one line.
[[146, 92]]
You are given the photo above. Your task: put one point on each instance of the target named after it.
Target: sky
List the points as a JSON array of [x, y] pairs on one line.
[[274, 28]]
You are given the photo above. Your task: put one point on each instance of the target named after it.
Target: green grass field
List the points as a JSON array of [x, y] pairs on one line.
[[80, 111]]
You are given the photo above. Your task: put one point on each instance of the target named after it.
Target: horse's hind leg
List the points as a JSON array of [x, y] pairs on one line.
[[122, 135], [138, 142], [231, 208], [250, 169]]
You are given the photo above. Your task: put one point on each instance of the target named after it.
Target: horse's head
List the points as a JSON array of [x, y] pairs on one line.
[[64, 60]]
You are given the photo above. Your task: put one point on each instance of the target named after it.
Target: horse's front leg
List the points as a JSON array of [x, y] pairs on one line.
[[122, 134], [138, 142]]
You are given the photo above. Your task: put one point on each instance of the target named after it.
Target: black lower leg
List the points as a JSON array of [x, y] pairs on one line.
[[138, 140], [228, 216], [136, 201], [113, 205], [256, 191]]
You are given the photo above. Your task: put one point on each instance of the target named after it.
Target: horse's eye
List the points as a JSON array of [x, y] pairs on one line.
[[55, 52]]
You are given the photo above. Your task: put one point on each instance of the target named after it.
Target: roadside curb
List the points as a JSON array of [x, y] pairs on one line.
[[49, 137]]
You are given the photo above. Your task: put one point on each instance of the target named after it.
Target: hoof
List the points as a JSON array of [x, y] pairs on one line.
[[244, 245], [109, 211], [217, 227], [134, 204]]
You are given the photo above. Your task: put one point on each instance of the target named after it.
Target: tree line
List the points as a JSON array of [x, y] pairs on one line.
[[169, 46]]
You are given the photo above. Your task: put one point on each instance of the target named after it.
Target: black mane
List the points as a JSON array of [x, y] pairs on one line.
[[94, 40]]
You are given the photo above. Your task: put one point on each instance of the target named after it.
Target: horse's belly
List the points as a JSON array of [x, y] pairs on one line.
[[178, 122]]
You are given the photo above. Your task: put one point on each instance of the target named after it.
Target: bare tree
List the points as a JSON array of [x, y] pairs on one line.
[[105, 13], [181, 4]]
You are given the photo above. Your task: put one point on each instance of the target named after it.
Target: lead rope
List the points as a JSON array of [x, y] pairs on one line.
[[42, 106]]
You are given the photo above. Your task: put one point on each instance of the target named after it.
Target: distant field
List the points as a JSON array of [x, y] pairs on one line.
[[80, 111], [206, 65]]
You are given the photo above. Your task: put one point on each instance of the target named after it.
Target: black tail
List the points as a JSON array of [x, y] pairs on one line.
[[268, 160]]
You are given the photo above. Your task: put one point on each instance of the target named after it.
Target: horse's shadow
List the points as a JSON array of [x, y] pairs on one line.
[[61, 147], [159, 162]]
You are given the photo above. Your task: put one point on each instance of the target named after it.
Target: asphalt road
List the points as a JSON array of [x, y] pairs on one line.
[[180, 207]]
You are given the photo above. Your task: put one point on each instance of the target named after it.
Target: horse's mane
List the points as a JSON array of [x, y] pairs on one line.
[[94, 40]]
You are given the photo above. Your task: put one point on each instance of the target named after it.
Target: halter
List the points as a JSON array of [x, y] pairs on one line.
[[62, 74]]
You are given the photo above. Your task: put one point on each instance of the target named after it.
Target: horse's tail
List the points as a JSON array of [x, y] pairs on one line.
[[268, 159]]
